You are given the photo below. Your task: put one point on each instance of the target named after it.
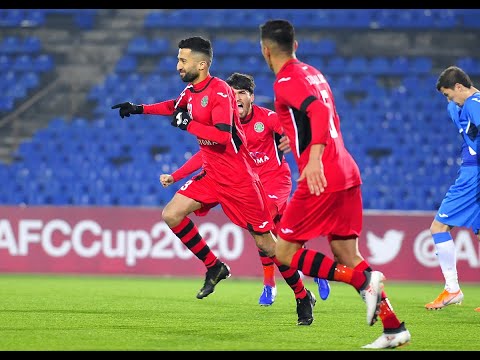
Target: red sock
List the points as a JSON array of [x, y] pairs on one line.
[[317, 264], [268, 269], [188, 233], [387, 315], [292, 278]]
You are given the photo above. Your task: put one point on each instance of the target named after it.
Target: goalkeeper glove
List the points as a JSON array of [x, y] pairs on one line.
[[181, 119], [128, 108]]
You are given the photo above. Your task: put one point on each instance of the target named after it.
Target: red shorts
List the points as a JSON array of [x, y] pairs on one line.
[[337, 214], [244, 203], [278, 190]]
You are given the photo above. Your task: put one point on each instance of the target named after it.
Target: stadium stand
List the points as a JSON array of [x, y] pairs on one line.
[[64, 69]]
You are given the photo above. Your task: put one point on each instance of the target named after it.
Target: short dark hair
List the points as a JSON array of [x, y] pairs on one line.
[[279, 31], [451, 76], [240, 81], [197, 44]]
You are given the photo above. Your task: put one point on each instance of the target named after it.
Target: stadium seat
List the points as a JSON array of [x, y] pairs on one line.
[[31, 45], [12, 45], [127, 63]]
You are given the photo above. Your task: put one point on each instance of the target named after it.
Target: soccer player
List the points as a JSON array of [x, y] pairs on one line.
[[327, 200], [207, 109], [460, 206], [264, 133]]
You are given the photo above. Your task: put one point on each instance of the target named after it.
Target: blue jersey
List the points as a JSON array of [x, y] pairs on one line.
[[467, 121], [461, 206]]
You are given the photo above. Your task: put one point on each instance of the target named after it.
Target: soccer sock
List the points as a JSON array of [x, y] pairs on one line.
[[317, 264], [188, 233], [292, 278], [268, 269], [447, 258], [387, 315]]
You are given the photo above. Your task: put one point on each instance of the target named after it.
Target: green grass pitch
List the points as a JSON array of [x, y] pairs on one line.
[[49, 313]]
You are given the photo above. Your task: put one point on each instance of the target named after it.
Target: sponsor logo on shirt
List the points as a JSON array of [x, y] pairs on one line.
[[286, 230], [206, 142], [259, 157], [222, 94]]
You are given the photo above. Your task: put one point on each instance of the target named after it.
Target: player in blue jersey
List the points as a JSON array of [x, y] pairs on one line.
[[461, 205]]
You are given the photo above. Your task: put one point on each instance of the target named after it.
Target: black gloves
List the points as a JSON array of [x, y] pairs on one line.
[[128, 108], [181, 119]]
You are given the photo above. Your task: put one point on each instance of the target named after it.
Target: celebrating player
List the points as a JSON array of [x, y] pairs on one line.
[[207, 109], [264, 135], [327, 200]]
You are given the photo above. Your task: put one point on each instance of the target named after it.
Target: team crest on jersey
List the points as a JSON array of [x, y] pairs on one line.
[[204, 101], [259, 127]]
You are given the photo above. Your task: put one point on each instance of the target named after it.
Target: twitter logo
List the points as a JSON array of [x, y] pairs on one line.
[[384, 249]]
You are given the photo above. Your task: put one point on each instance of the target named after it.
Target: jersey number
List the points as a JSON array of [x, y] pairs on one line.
[[333, 131]]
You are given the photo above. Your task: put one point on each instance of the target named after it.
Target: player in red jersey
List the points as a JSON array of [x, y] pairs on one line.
[[328, 199], [264, 134], [207, 109]]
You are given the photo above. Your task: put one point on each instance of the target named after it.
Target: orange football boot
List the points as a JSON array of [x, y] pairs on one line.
[[445, 299]]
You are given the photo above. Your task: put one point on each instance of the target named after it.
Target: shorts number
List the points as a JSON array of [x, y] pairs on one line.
[[185, 186]]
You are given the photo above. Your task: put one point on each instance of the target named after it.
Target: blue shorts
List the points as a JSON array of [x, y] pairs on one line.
[[461, 204]]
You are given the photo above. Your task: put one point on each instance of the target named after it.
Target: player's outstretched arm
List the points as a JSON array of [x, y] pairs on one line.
[[127, 108]]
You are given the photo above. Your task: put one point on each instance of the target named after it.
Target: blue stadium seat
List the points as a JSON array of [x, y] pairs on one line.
[[336, 65], [469, 64], [6, 62], [400, 66], [126, 63], [139, 45], [227, 63], [325, 47], [166, 64], [221, 46], [243, 47], [447, 18], [23, 63], [31, 45], [421, 65], [357, 65], [380, 65], [43, 63], [29, 80], [11, 45], [322, 19], [11, 18], [33, 18], [155, 19]]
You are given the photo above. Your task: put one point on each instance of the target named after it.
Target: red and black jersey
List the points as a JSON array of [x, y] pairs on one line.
[[263, 132], [306, 108], [216, 124]]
